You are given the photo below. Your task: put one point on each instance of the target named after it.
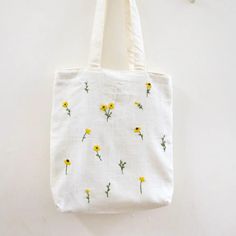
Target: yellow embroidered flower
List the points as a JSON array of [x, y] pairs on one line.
[[148, 87], [97, 148], [111, 105], [87, 132], [67, 163], [107, 109], [65, 105], [138, 131], [141, 180], [103, 107], [87, 192]]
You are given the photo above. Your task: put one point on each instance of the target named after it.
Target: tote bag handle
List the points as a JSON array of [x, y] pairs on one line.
[[135, 48]]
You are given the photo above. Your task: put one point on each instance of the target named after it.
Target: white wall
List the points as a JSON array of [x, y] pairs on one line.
[[195, 43]]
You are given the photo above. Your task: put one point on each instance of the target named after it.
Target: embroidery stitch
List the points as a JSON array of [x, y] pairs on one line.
[[141, 180], [97, 148], [163, 142], [148, 87], [139, 105], [122, 166], [87, 132], [65, 105], [107, 109], [138, 131], [67, 163], [86, 86], [87, 192], [108, 189]]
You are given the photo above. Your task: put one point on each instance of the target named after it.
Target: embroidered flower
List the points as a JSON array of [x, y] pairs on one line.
[[122, 166], [138, 131], [111, 105], [67, 163], [103, 107], [141, 180], [108, 189], [87, 132], [107, 109], [148, 88], [86, 86], [97, 148], [163, 142], [139, 105], [87, 192], [65, 105]]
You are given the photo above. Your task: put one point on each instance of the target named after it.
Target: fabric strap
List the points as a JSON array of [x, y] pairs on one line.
[[135, 47]]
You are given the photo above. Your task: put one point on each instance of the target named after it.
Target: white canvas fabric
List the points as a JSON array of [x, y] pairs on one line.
[[111, 131]]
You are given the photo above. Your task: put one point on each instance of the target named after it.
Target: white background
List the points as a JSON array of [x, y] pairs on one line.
[[195, 43]]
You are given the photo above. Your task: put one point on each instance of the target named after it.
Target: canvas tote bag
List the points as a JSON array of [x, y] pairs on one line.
[[111, 131]]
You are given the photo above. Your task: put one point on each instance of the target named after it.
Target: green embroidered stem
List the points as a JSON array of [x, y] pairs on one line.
[[140, 187], [66, 170], [86, 86], [108, 114], [88, 197], [141, 135], [163, 142], [108, 189], [83, 138], [68, 111], [99, 156], [122, 166], [148, 92], [140, 106]]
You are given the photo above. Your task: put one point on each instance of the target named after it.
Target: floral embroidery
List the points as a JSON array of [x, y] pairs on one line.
[[148, 87], [139, 105], [122, 166], [141, 180], [138, 131], [97, 148], [65, 105], [86, 86], [163, 142], [87, 192], [87, 132], [67, 163], [108, 189], [107, 109]]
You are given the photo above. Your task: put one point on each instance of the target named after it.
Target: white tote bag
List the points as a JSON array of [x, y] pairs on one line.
[[111, 131]]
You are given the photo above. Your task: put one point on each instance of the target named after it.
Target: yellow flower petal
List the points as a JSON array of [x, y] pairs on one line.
[[96, 148], [87, 131], [137, 130], [103, 107], [65, 104], [67, 162], [148, 85], [87, 190], [142, 179], [111, 105]]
